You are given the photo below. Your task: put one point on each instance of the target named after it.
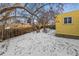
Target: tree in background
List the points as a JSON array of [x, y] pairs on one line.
[[42, 12]]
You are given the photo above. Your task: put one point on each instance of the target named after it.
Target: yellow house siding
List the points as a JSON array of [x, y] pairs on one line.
[[68, 29]]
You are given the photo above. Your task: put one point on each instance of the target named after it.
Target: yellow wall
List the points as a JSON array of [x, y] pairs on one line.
[[69, 29]]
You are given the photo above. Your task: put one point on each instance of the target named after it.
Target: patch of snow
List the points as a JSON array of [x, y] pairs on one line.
[[40, 44], [7, 28]]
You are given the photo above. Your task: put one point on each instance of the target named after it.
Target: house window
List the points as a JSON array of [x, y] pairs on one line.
[[67, 20]]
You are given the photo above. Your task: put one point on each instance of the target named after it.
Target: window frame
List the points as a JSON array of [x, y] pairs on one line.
[[67, 20]]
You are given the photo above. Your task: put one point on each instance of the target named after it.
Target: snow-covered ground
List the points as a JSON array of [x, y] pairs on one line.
[[40, 44]]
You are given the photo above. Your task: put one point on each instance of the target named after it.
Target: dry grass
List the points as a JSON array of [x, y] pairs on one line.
[[13, 30]]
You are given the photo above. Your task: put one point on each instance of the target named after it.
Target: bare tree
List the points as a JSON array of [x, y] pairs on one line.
[[42, 12]]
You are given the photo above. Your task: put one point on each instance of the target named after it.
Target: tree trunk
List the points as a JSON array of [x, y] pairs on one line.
[[3, 30]]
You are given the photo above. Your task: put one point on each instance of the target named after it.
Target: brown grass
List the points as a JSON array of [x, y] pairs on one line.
[[19, 29]]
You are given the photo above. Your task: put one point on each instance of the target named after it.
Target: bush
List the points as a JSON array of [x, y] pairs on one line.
[[52, 27]]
